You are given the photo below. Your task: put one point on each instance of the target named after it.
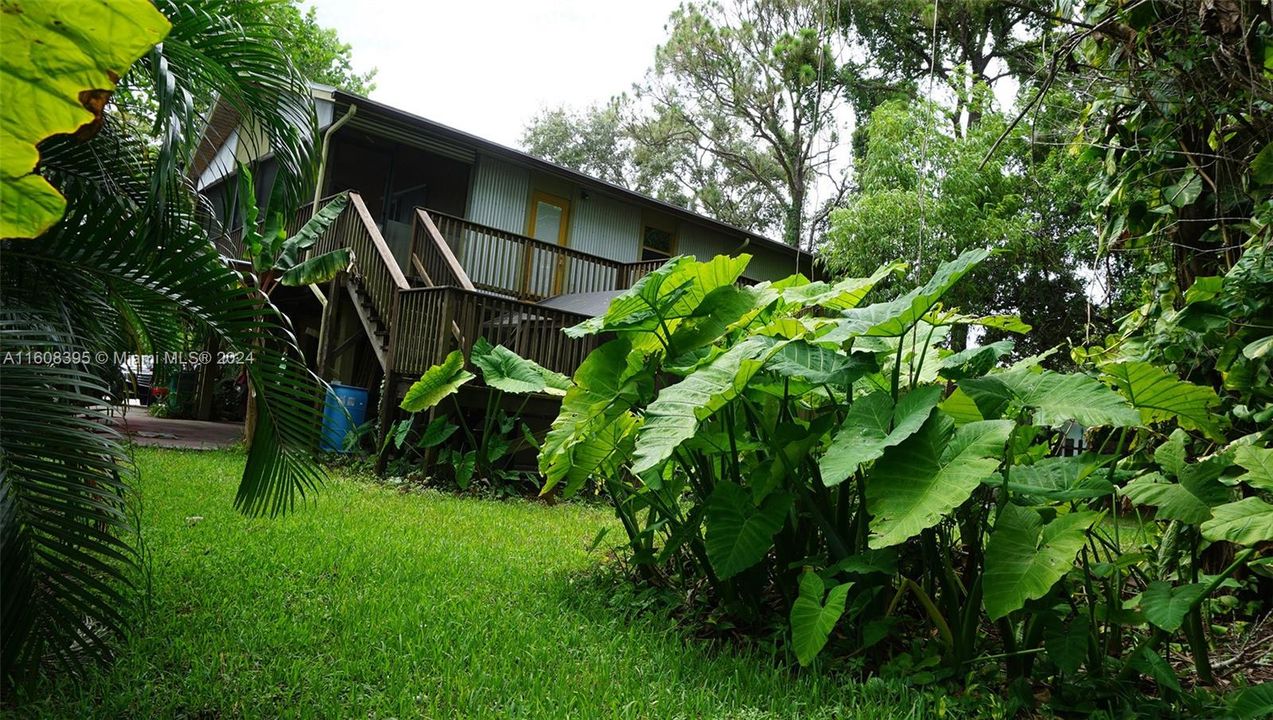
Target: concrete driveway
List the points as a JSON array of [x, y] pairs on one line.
[[144, 429]]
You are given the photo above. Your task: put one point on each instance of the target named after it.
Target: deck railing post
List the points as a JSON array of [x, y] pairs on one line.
[[445, 323]]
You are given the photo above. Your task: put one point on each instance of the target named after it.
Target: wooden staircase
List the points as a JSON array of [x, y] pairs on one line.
[[414, 319], [377, 331]]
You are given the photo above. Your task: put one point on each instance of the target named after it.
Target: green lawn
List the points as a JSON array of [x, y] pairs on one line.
[[375, 604]]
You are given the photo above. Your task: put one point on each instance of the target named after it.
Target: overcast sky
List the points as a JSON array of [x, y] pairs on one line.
[[487, 66]]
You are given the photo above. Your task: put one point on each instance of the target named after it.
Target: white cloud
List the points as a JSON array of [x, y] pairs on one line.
[[487, 66]]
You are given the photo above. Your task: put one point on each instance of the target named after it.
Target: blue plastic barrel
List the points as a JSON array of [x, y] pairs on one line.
[[337, 423]]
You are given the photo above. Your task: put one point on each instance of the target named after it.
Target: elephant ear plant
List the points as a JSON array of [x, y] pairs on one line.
[[806, 455], [485, 452]]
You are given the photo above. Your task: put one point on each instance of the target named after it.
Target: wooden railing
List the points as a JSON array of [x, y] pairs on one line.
[[373, 266], [637, 270], [454, 309], [432, 257], [518, 266], [436, 320]]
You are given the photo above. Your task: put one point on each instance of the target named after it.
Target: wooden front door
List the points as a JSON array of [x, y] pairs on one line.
[[545, 272]]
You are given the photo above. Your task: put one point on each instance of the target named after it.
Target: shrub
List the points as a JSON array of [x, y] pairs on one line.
[[812, 458]]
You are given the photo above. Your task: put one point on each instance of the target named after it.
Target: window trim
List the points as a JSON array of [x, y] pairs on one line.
[[666, 226]]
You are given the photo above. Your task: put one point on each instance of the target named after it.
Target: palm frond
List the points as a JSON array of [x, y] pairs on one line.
[[65, 532], [130, 268], [210, 55]]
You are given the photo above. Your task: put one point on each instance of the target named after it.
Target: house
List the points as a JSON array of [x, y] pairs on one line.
[[455, 237]]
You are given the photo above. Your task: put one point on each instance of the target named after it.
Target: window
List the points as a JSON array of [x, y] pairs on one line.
[[657, 243], [549, 218]]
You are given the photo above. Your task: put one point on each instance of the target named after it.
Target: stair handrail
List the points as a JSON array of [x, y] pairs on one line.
[[378, 241], [439, 245]]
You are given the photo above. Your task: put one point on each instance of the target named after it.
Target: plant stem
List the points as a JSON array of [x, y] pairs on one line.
[[1153, 641]]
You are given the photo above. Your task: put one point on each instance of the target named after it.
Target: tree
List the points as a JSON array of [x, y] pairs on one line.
[[316, 51], [971, 44], [593, 140], [739, 119], [134, 272], [1180, 118], [926, 202], [748, 95]]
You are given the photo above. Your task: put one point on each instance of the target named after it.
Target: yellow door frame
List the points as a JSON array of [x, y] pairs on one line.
[[563, 230]]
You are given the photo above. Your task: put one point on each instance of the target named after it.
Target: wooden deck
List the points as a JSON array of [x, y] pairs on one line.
[[465, 281]]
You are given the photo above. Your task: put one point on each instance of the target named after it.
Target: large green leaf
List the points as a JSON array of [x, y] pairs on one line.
[[437, 383], [1172, 454], [505, 370], [55, 55], [898, 316], [1007, 323], [274, 230], [701, 279], [602, 453], [1189, 500], [1259, 464], [719, 309], [674, 416], [253, 243], [1185, 190], [1165, 605], [973, 362], [813, 617], [1061, 479], [931, 473], [1256, 701], [1245, 522], [1262, 174], [842, 295], [819, 365], [739, 534], [318, 269], [641, 306], [872, 425], [671, 292], [1025, 558], [608, 382], [1159, 395], [961, 407], [1055, 398], [1067, 644], [288, 252]]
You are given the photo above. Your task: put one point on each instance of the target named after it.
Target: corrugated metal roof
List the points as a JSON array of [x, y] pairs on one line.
[[407, 135], [591, 304]]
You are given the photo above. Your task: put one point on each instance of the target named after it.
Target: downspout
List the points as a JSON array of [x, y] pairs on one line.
[[327, 138], [322, 175]]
